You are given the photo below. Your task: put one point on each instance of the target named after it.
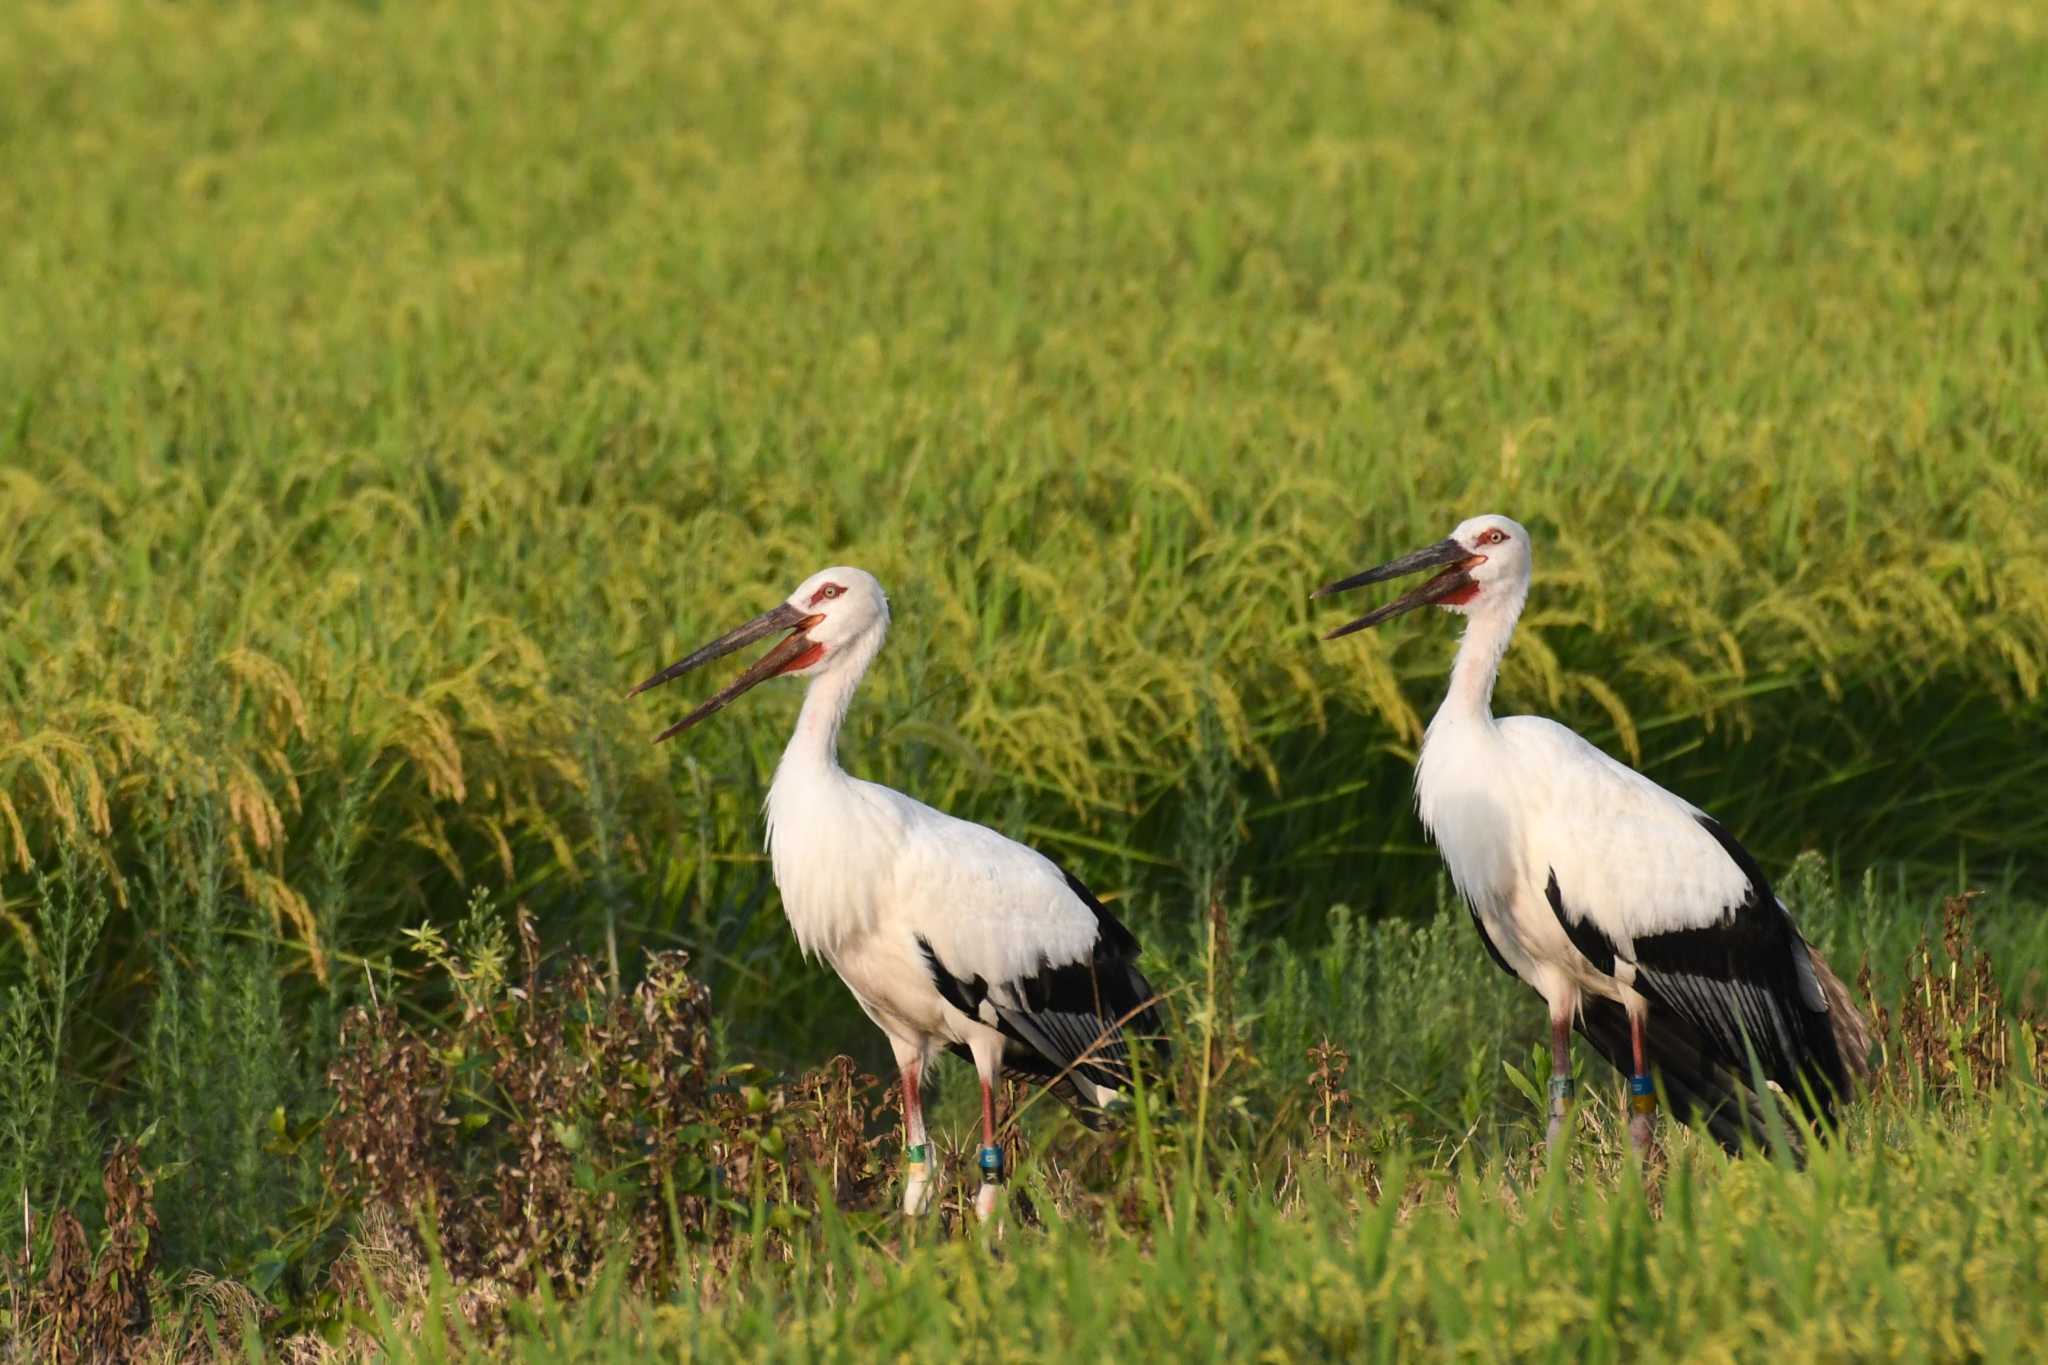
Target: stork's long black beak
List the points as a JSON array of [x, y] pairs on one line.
[[1452, 580], [794, 651]]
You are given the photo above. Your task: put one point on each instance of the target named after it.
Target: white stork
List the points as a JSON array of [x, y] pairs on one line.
[[947, 933], [1631, 912]]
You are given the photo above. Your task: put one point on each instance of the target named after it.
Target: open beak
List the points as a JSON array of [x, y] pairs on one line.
[[794, 651], [1452, 580]]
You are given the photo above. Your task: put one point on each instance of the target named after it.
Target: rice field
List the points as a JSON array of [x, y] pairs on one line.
[[384, 389]]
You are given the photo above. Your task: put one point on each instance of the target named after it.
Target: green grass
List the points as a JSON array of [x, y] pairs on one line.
[[1891, 1252], [1408, 1214], [383, 388]]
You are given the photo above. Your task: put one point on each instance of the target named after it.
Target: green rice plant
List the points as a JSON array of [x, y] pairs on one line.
[[1799, 580], [385, 387]]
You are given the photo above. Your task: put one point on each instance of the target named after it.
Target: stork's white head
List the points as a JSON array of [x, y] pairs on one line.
[[834, 616], [1501, 547], [842, 607], [1484, 566]]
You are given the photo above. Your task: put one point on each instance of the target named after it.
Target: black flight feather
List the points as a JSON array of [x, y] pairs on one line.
[[1075, 1018], [1719, 993]]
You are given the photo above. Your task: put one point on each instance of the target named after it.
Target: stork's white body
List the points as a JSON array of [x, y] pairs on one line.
[[869, 875], [1565, 855], [946, 932], [1636, 857]]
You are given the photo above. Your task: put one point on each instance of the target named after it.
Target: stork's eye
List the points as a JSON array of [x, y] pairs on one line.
[[831, 590], [1493, 537]]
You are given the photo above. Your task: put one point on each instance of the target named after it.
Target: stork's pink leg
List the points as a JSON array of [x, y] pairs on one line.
[[1642, 1097], [988, 1065], [920, 1166], [1560, 1075]]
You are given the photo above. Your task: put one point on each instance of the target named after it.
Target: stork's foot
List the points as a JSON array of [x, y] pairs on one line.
[[922, 1171], [1642, 1120], [990, 1160]]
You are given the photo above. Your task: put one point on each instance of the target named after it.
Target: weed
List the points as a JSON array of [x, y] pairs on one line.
[[554, 1124], [88, 1307], [1952, 1036]]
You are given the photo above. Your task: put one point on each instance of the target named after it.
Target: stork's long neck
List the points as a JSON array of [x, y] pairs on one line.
[[1487, 632], [815, 744], [1464, 749], [821, 835]]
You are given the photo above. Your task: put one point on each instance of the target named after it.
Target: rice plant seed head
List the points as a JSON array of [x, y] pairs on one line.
[[1636, 916], [948, 934]]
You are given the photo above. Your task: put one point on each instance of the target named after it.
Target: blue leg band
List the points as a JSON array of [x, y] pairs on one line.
[[1642, 1096], [990, 1159], [1560, 1087]]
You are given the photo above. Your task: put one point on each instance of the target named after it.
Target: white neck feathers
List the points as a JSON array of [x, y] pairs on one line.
[[820, 827], [1488, 629]]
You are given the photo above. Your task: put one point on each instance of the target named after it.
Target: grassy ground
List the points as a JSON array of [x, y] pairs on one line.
[[1892, 1252], [383, 388], [1400, 1206]]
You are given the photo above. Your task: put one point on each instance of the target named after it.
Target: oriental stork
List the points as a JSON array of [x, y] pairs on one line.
[[1636, 916], [948, 934]]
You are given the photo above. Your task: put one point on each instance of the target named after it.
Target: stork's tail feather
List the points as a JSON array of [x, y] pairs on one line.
[[1853, 1038]]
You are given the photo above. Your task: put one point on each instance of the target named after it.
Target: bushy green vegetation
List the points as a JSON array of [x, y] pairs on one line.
[[383, 388]]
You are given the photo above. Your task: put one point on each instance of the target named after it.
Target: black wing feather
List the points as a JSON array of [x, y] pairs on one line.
[[1586, 936], [1079, 1017], [1697, 1087], [1493, 949]]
